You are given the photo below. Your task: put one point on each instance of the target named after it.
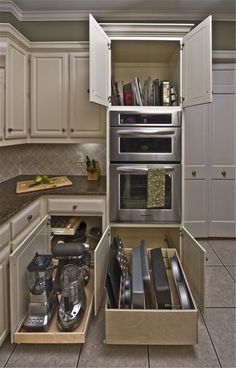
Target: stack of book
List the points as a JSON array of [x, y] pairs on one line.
[[134, 94]]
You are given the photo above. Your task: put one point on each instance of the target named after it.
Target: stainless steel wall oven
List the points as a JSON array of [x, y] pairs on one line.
[[145, 169]]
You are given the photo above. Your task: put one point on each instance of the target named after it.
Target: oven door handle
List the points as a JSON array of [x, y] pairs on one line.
[[140, 169], [136, 133]]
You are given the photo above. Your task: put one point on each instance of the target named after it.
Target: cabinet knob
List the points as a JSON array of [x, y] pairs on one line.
[[63, 130], [29, 218], [72, 130], [224, 173], [10, 130], [74, 207], [194, 173]]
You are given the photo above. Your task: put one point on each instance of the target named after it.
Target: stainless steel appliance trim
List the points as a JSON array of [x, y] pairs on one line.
[[153, 132], [176, 117], [141, 169]]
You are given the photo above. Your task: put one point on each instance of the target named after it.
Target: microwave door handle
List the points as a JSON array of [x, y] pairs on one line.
[[140, 169], [136, 133]]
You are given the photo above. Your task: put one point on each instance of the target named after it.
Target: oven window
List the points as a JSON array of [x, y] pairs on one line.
[[145, 145], [142, 119], [133, 192]]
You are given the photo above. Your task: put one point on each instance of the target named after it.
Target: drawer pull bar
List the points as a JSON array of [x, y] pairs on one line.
[[224, 173]]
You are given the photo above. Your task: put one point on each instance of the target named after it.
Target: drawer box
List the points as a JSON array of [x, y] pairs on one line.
[[161, 327], [40, 241], [25, 218], [4, 235]]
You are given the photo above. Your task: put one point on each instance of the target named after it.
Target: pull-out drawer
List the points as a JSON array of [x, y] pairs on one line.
[[40, 241], [25, 218], [4, 235], [175, 326]]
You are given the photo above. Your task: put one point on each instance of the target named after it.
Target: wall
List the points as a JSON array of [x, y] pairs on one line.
[[223, 33], [48, 159]]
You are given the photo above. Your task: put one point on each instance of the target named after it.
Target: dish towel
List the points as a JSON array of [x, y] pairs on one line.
[[156, 188]]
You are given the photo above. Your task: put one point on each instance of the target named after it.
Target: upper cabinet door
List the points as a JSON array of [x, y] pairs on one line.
[[17, 89], [193, 258], [99, 63], [197, 65], [49, 95]]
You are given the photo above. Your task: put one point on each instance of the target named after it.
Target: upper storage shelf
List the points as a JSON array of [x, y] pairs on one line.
[[131, 57]]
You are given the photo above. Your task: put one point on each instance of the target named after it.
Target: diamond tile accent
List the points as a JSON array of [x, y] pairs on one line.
[[50, 159]]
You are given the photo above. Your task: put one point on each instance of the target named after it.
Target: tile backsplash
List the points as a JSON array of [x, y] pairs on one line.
[[49, 159]]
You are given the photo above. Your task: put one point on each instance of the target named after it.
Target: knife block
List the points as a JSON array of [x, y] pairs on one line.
[[94, 173]]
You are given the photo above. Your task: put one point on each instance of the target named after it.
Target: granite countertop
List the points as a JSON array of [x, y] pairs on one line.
[[11, 203]]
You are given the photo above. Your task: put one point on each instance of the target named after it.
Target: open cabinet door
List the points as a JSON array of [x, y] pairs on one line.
[[193, 259], [101, 255], [197, 65], [99, 63], [37, 241]]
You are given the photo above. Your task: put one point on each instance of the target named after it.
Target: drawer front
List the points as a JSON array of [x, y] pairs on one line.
[[81, 205], [24, 218], [223, 172], [148, 327], [4, 235], [195, 172]]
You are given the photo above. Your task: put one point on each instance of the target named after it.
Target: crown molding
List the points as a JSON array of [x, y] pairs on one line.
[[103, 15]]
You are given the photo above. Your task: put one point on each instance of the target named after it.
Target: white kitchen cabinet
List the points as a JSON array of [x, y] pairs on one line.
[[195, 160], [4, 281], [49, 95], [86, 118], [2, 101], [151, 53], [222, 153]]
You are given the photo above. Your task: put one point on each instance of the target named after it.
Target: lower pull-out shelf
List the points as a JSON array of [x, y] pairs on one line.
[[54, 335]]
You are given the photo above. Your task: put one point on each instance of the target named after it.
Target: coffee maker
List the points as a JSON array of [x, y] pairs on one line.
[[42, 297]]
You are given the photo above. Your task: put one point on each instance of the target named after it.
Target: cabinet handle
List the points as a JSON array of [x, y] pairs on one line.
[[224, 173], [194, 173], [29, 218], [74, 207], [10, 130], [72, 130], [63, 130]]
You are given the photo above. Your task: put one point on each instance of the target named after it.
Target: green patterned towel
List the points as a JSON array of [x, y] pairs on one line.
[[156, 188]]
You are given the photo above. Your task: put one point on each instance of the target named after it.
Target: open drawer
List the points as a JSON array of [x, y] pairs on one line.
[[161, 326], [40, 241]]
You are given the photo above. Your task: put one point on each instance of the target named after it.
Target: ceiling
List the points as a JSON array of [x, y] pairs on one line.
[[122, 9]]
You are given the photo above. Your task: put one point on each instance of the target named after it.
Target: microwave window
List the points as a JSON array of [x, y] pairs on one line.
[[145, 145], [133, 191], [142, 119]]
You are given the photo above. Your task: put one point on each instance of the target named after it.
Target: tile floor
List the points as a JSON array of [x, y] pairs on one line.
[[217, 332]]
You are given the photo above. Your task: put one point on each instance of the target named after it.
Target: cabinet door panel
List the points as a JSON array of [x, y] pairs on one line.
[[223, 129], [2, 101], [4, 293], [99, 63], [197, 65], [195, 207], [49, 95], [37, 241], [86, 118], [16, 92], [222, 208]]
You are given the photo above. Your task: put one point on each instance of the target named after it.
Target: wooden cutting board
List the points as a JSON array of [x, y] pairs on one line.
[[30, 186]]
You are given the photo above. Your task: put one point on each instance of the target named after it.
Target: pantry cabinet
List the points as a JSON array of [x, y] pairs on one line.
[[49, 95], [160, 53]]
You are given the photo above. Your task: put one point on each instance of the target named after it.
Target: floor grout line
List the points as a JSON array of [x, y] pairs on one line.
[[213, 345], [77, 364], [5, 365], [148, 357]]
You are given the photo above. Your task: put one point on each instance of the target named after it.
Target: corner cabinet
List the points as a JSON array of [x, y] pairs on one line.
[[162, 51], [49, 95]]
